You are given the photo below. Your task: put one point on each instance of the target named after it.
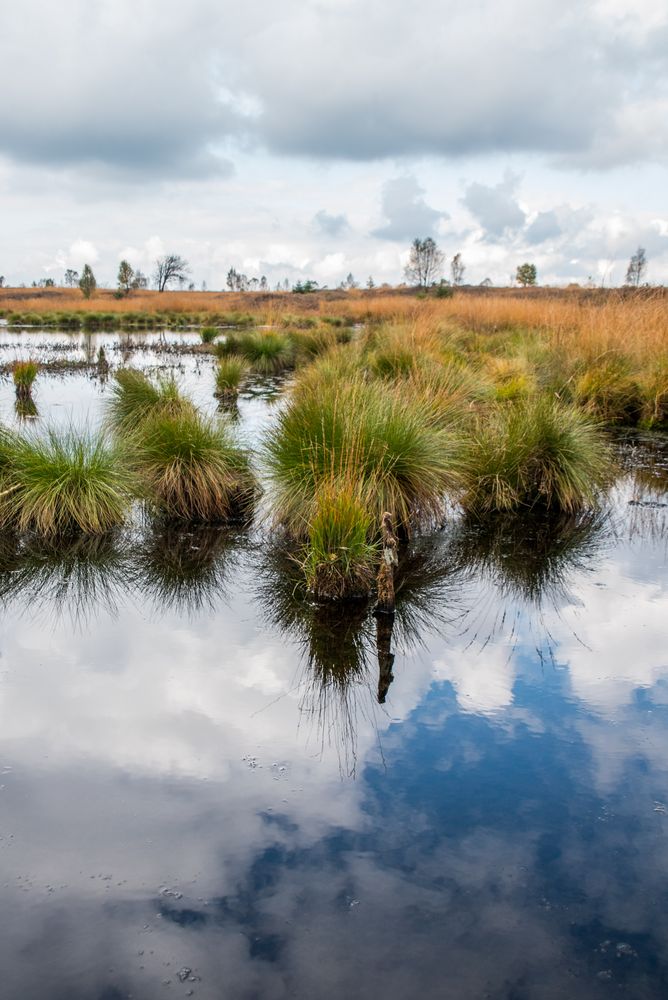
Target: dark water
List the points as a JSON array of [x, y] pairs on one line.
[[208, 788]]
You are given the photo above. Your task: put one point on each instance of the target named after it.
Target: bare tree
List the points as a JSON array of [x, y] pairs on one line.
[[71, 277], [457, 268], [635, 272], [424, 264], [2, 281], [169, 268], [140, 280]]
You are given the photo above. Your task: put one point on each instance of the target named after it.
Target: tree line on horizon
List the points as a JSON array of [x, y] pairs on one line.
[[424, 270]]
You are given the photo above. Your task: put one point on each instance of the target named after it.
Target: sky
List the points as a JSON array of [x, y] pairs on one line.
[[313, 138]]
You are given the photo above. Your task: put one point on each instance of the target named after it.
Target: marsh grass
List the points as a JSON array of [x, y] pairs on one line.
[[208, 334], [190, 469], [370, 433], [268, 352], [24, 374], [134, 398], [610, 391], [339, 561], [534, 452], [230, 372], [66, 482]]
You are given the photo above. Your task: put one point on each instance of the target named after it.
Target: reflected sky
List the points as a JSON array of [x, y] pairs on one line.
[[201, 793]]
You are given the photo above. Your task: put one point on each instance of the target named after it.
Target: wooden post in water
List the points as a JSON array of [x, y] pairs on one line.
[[388, 560], [384, 610]]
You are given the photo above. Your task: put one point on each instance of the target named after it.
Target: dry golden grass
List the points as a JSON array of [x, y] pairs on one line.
[[593, 323]]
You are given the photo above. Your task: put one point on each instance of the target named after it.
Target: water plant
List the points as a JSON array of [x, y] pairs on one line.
[[371, 432], [339, 561], [190, 468], [208, 334], [24, 374], [134, 397], [534, 452], [63, 482], [229, 373]]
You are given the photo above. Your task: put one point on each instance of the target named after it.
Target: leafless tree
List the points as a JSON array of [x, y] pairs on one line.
[[635, 272], [457, 268], [425, 263], [169, 268]]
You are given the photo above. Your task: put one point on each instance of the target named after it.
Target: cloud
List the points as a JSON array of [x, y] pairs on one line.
[[495, 208], [544, 227], [330, 225], [407, 213], [132, 87]]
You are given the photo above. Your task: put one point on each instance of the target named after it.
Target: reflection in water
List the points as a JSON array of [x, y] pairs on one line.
[[165, 827], [26, 409], [529, 558], [339, 643], [79, 577], [187, 570]]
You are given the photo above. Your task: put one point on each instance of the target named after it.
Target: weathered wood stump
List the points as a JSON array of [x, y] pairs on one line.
[[388, 561]]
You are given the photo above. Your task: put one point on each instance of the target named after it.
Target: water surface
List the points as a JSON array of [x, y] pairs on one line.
[[210, 788]]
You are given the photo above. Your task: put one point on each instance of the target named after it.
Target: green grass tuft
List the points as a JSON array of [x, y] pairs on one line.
[[24, 374], [190, 468], [230, 372], [339, 561], [134, 397], [67, 482], [368, 432], [534, 453]]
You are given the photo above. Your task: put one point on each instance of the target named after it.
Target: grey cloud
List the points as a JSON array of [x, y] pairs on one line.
[[124, 84], [407, 213], [544, 227], [495, 207], [329, 224]]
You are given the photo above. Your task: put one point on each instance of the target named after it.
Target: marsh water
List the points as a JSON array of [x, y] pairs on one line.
[[210, 787]]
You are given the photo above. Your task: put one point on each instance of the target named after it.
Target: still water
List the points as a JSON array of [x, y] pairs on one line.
[[210, 789]]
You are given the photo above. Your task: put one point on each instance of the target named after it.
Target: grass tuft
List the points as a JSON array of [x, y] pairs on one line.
[[68, 482], [339, 561], [371, 433], [534, 453], [190, 468], [134, 397], [24, 374], [229, 375]]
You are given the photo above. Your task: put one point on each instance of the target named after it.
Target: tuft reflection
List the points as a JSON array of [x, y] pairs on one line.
[[348, 652], [526, 565], [77, 577], [187, 570], [26, 409]]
